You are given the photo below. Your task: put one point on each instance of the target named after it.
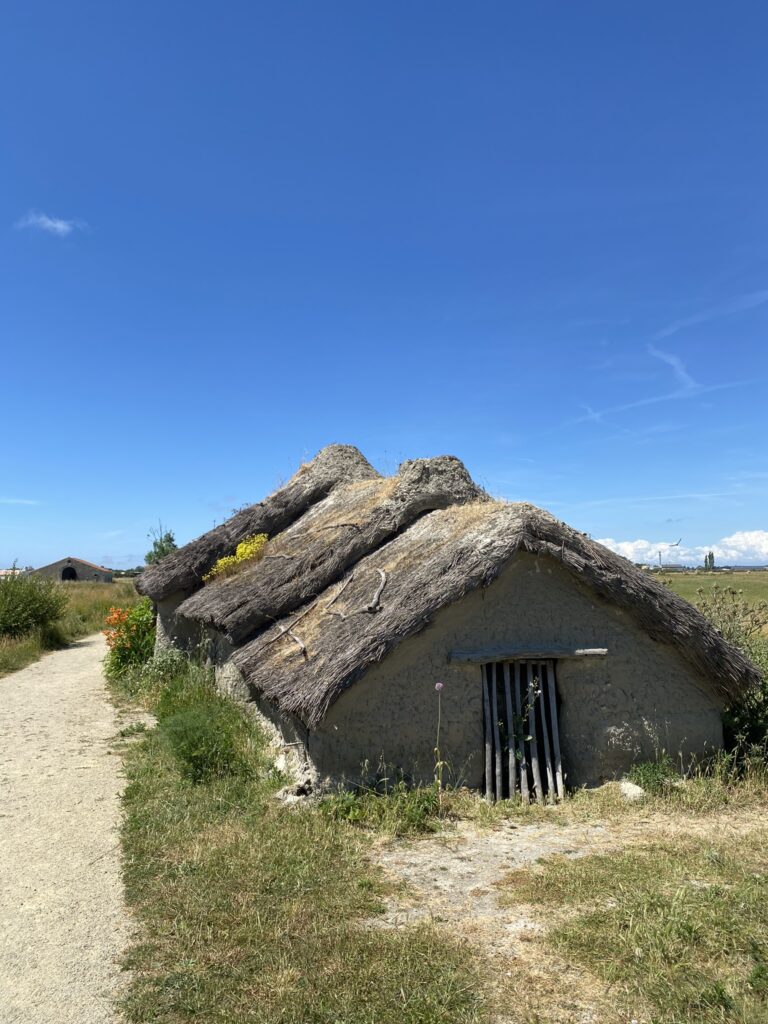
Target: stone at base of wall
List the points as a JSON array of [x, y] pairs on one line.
[[300, 792], [630, 792]]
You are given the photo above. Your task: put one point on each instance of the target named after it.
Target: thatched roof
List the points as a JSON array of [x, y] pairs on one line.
[[183, 570], [309, 556], [439, 560], [369, 561]]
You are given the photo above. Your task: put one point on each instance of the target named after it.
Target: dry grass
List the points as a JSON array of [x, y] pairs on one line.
[[87, 607], [676, 929]]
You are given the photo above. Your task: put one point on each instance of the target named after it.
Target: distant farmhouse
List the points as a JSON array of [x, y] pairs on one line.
[[73, 569]]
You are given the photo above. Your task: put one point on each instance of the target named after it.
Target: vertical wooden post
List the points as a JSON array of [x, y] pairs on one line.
[[545, 733], [487, 731], [511, 758], [496, 737], [555, 730], [524, 789], [532, 730]]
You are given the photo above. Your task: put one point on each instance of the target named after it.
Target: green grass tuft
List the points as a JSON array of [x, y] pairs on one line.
[[401, 810], [654, 776]]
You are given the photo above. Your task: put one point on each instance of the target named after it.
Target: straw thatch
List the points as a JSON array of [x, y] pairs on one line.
[[305, 662], [184, 569], [310, 555], [357, 563]]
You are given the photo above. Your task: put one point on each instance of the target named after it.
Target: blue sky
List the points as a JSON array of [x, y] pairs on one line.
[[530, 235]]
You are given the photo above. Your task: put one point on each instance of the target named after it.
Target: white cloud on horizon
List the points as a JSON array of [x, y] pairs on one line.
[[18, 501], [51, 225], [745, 547]]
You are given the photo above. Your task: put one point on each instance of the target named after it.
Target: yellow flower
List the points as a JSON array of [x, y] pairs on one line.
[[249, 550]]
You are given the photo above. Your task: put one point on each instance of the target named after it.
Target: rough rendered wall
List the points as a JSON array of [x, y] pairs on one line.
[[168, 632], [639, 699]]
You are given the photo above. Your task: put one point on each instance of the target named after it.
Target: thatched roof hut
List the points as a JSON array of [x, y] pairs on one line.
[[372, 589]]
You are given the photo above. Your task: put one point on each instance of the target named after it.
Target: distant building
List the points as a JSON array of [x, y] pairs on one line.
[[75, 569]]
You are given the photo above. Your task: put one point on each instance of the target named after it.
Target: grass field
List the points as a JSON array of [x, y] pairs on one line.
[[86, 609], [753, 585]]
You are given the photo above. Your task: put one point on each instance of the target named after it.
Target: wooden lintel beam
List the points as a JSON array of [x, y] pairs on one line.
[[483, 657]]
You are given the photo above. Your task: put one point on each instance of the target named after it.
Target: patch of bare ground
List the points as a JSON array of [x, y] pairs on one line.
[[455, 880]]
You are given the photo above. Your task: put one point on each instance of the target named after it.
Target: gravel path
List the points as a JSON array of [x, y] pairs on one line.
[[62, 919]]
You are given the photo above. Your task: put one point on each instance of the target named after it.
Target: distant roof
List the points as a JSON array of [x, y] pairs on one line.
[[357, 563], [71, 558]]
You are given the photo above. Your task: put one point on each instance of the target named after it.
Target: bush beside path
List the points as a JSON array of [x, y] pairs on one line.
[[62, 919]]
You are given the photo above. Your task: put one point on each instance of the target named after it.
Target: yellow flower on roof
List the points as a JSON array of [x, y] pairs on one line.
[[249, 550]]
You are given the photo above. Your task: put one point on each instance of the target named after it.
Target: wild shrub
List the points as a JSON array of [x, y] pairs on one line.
[[130, 637], [247, 551], [743, 624], [29, 603], [739, 621]]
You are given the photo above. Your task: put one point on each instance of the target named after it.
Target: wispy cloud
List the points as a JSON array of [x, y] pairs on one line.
[[737, 305], [678, 367], [37, 221], [591, 415], [641, 403], [18, 501]]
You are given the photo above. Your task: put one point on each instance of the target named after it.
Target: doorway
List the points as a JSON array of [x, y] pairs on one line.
[[521, 732], [68, 573]]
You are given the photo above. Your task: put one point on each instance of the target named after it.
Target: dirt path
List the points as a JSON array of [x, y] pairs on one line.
[[62, 920]]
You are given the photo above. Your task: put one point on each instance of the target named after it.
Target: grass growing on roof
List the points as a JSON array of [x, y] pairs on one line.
[[250, 910]]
